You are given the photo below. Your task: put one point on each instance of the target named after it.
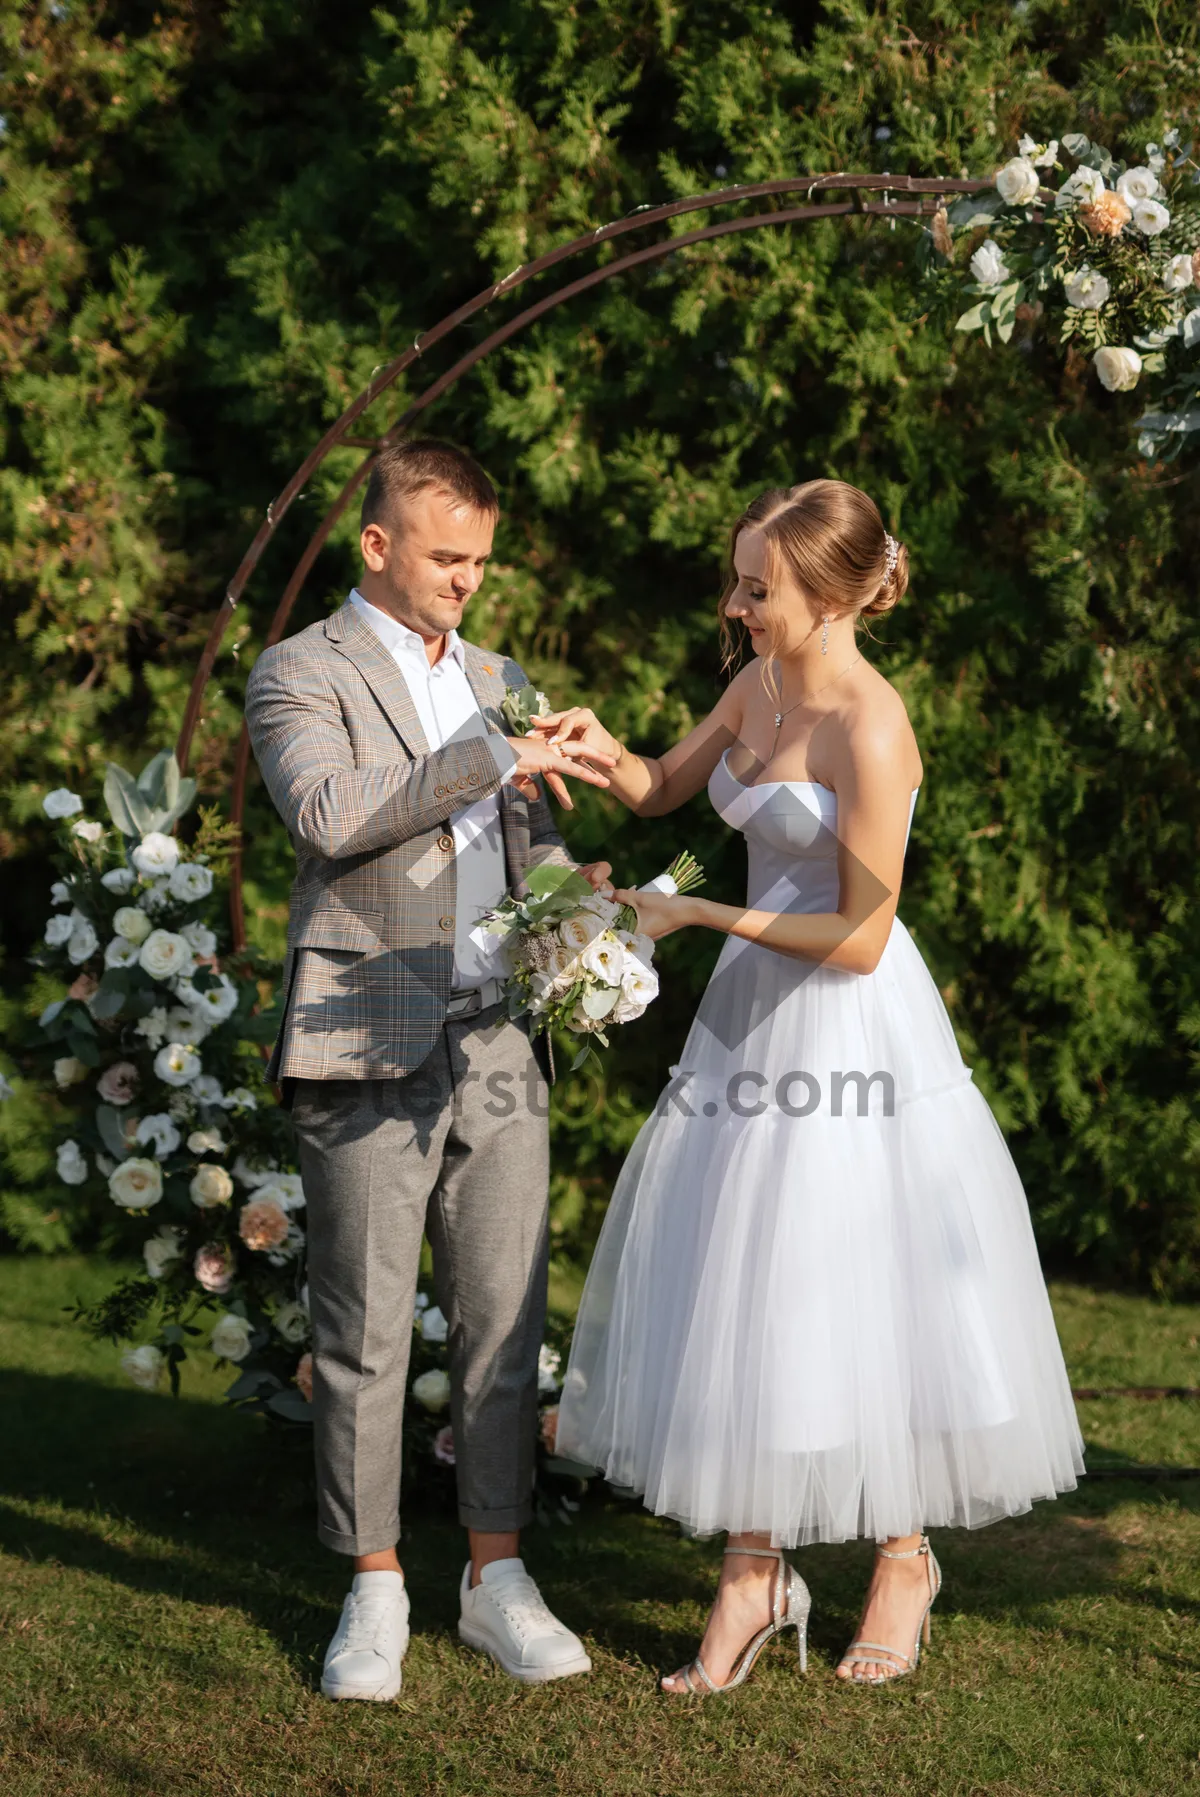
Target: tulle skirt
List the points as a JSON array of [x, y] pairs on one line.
[[815, 1310]]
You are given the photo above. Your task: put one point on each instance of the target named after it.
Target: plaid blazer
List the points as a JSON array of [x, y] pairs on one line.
[[366, 802]]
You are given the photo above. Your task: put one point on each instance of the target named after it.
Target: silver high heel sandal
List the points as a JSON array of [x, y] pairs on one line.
[[790, 1605], [904, 1663]]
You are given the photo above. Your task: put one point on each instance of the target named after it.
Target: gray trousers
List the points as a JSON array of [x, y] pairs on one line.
[[457, 1149]]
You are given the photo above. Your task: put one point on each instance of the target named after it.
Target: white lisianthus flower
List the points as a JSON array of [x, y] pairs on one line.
[[163, 1250], [205, 1141], [1083, 188], [144, 1366], [207, 1090], [420, 1302], [1151, 217], [639, 988], [177, 1064], [60, 892], [1137, 184], [1178, 274], [158, 1131], [72, 1164], [432, 1390], [606, 959], [190, 881], [230, 1340], [211, 1186], [119, 879], [186, 1026], [988, 264], [576, 932], [434, 1327], [58, 930], [549, 1362], [291, 1322], [605, 909], [1189, 330], [240, 1099], [153, 1026], [213, 1003], [1018, 182], [87, 830], [61, 803], [1085, 289], [156, 854], [136, 1184], [202, 939], [69, 1070], [121, 953], [253, 1176], [1118, 369], [82, 943], [164, 956], [131, 922], [157, 895], [283, 1189]]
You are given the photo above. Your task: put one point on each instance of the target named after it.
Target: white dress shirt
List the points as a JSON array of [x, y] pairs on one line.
[[449, 711]]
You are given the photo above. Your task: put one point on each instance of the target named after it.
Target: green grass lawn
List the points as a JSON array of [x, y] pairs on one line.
[[164, 1608]]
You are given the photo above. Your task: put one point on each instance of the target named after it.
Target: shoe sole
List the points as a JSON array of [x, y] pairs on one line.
[[526, 1675], [380, 1694]]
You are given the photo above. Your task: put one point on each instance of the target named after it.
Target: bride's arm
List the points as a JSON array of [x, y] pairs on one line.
[[873, 790], [652, 785]]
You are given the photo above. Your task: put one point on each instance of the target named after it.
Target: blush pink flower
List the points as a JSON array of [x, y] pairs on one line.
[[213, 1267], [82, 986], [118, 1083], [263, 1225], [443, 1446], [548, 1427], [1107, 216], [303, 1376]]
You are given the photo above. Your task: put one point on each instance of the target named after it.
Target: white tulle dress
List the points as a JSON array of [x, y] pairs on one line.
[[815, 1309]]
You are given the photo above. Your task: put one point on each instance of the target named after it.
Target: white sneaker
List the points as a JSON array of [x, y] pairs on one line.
[[505, 1616], [363, 1659]]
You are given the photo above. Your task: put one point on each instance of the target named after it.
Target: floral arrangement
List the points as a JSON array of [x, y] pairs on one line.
[[575, 958], [1109, 252], [520, 704]]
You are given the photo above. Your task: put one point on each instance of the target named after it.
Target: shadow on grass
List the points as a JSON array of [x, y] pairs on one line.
[[222, 1512]]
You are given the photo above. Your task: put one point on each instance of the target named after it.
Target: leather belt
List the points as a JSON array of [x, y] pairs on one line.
[[465, 1001]]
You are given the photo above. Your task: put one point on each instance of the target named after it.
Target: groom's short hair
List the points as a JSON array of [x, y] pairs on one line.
[[421, 465]]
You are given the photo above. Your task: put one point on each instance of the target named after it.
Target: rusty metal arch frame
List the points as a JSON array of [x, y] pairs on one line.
[[924, 193]]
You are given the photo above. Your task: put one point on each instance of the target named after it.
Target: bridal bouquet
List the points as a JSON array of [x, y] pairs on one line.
[[576, 958]]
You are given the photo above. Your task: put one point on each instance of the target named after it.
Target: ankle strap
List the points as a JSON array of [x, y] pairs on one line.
[[758, 1553], [909, 1553]]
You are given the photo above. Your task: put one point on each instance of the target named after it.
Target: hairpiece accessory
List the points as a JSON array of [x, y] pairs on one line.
[[892, 550]]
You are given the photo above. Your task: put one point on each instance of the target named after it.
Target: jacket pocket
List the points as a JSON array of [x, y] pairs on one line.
[[357, 931]]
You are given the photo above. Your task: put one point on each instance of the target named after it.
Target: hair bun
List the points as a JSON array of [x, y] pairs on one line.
[[892, 589]]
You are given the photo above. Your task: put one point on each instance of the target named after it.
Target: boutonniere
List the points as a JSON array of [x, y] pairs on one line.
[[520, 703]]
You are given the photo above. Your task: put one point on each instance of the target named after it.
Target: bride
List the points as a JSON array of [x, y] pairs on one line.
[[815, 1310]]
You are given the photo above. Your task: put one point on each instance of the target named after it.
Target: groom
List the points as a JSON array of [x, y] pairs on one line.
[[419, 1106]]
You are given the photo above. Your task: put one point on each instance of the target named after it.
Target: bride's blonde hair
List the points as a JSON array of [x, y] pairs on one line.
[[828, 536]]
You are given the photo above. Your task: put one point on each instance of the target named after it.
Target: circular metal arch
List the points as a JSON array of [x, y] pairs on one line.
[[924, 194]]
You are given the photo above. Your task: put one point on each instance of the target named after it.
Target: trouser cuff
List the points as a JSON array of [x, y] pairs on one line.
[[379, 1541], [496, 1522]]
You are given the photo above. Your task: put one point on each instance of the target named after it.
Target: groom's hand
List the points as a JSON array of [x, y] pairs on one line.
[[535, 756], [599, 874]]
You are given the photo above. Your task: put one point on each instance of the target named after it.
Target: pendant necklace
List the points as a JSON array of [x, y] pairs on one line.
[[780, 715]]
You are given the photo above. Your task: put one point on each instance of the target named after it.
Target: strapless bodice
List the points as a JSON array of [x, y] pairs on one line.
[[790, 828]]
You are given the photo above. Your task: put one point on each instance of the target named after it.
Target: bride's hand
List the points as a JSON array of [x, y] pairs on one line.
[[577, 724], [657, 914]]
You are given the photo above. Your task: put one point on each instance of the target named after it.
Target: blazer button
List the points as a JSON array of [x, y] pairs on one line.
[[445, 923], [439, 792], [445, 842]]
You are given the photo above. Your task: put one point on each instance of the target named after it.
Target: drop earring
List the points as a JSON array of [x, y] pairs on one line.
[[824, 636]]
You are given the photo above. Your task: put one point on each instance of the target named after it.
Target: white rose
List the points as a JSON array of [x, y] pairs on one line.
[[159, 1132], [156, 854], [153, 1025], [121, 953], [230, 1340], [1083, 188], [1177, 275], [576, 932], [214, 1003], [87, 830], [434, 1327], [1086, 289], [203, 941], [72, 1164], [61, 803], [163, 1250], [1118, 368], [988, 264], [165, 956], [1151, 217], [132, 923], [69, 1071], [144, 1365], [1137, 184], [82, 942], [432, 1390], [549, 1362], [211, 1186], [58, 931], [606, 959], [60, 892], [207, 1090], [205, 1141], [136, 1184], [190, 881], [1018, 182], [177, 1064], [118, 879], [291, 1322]]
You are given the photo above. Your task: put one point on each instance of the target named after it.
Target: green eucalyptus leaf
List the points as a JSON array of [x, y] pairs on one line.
[[292, 1405], [108, 1122], [598, 1001], [975, 317], [127, 806]]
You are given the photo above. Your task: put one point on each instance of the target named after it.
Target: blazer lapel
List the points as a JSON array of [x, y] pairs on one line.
[[485, 676], [355, 639]]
